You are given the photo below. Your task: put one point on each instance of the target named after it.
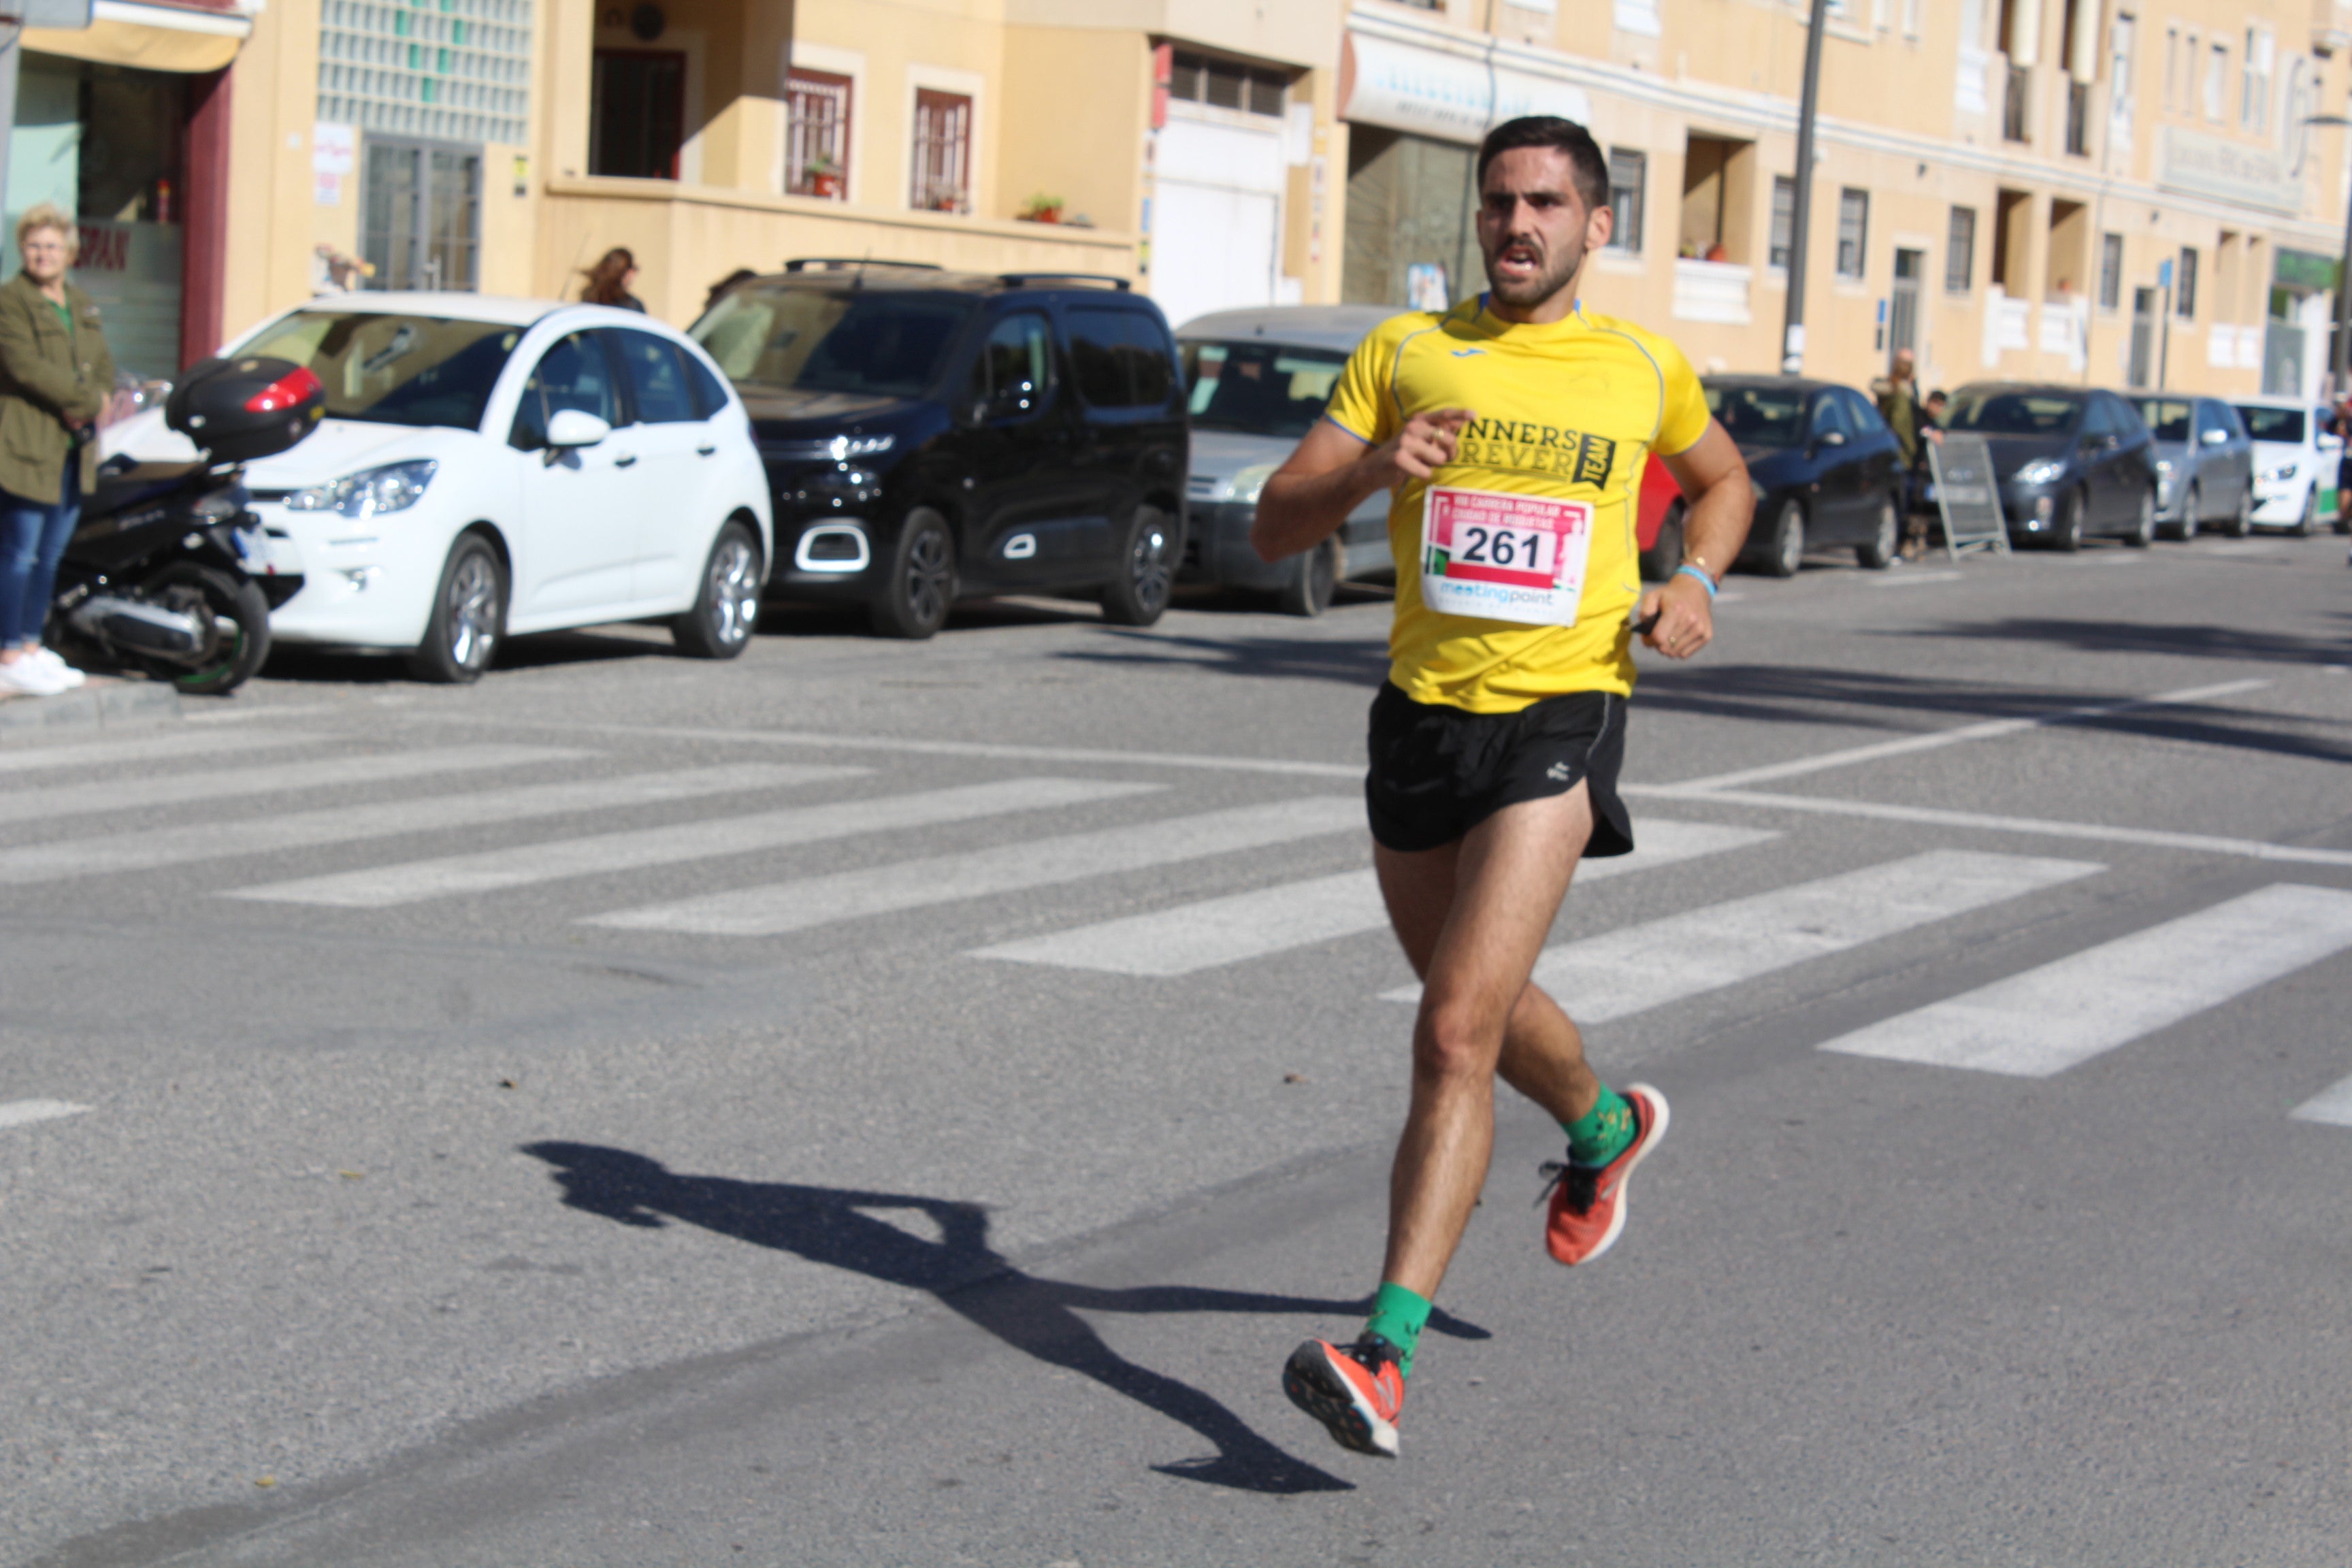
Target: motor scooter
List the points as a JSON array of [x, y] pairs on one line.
[[167, 572]]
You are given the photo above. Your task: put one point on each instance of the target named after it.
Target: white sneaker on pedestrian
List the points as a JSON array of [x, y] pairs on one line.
[[58, 667], [30, 677]]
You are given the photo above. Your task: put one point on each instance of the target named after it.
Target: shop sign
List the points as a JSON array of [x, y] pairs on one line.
[[1446, 96], [2197, 165], [2302, 269]]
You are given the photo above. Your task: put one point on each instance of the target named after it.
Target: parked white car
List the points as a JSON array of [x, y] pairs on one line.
[[2295, 464], [492, 465]]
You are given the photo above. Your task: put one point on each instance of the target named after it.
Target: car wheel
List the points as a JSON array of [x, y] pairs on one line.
[[1314, 580], [1885, 539], [727, 610], [2241, 523], [1784, 552], [2186, 529], [2307, 523], [1666, 553], [921, 580], [1147, 555], [2143, 532], [2068, 533], [469, 619]]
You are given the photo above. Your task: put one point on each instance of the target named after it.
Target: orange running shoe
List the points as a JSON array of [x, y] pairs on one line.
[[1588, 1203], [1354, 1390]]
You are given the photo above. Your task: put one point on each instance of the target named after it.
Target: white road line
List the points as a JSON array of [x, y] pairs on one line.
[[383, 885], [1912, 579], [144, 748], [2150, 838], [20, 1112], [175, 789], [991, 872], [1635, 968], [2048, 1019], [1268, 921], [424, 814], [2332, 1105], [1989, 729]]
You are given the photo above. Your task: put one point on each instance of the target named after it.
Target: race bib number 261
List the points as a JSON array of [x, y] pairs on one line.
[[1502, 557]]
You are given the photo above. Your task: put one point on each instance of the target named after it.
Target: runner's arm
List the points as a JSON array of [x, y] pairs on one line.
[[1333, 471], [1722, 503]]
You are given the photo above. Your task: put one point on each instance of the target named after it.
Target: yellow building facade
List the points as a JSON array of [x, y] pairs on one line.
[[2089, 191]]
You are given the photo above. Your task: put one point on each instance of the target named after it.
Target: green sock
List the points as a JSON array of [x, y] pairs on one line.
[[1398, 1317], [1600, 1134]]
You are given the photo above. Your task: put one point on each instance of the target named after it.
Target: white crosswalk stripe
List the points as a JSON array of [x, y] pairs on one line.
[[175, 789], [24, 1112], [2332, 1105], [913, 884], [161, 847], [1215, 932], [713, 837], [2066, 1011], [1638, 967], [149, 749]]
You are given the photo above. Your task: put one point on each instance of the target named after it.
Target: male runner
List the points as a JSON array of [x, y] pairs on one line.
[[1512, 430]]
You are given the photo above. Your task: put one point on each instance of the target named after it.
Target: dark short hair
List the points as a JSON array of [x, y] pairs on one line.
[[1591, 170], [1940, 392]]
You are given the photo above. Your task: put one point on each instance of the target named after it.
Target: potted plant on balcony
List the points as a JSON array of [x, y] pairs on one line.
[[1042, 208], [823, 177]]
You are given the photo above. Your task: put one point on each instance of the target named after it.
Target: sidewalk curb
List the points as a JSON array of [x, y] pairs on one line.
[[103, 703]]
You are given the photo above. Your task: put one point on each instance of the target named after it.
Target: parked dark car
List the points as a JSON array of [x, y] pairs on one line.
[[933, 436], [1827, 470], [2204, 464], [2071, 462]]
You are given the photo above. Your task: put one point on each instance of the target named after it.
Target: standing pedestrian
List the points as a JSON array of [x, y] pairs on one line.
[[56, 375], [609, 280], [1512, 430], [1898, 404]]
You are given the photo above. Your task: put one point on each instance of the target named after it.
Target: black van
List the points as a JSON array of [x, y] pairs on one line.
[[932, 436]]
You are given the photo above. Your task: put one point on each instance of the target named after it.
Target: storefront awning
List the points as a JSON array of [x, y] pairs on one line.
[[1452, 97], [154, 37]]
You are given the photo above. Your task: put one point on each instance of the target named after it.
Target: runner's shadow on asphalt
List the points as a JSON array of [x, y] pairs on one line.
[[1040, 1318]]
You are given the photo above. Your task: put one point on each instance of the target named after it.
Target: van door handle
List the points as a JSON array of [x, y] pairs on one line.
[[625, 459], [704, 451]]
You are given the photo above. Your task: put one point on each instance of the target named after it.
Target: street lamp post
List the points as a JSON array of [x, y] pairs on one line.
[[1792, 332], [2340, 358]]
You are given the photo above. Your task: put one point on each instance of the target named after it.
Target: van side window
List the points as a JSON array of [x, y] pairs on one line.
[[1014, 374], [1119, 358]]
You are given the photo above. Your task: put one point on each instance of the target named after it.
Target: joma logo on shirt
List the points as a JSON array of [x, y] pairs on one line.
[[1540, 448]]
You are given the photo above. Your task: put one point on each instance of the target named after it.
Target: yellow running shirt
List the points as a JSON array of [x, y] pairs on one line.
[[1517, 566]]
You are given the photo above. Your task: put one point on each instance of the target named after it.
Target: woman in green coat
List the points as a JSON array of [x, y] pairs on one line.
[[55, 376]]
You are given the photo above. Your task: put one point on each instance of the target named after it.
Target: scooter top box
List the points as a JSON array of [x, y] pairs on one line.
[[247, 407]]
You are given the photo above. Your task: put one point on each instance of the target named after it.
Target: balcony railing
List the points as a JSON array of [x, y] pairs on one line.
[[2012, 104], [1712, 292]]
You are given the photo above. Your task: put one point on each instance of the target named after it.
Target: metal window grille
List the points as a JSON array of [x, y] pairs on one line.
[[2111, 271], [1627, 170], [1784, 219], [2184, 285], [2078, 118], [943, 152], [1227, 84], [816, 150], [2013, 125], [1853, 231], [1960, 251]]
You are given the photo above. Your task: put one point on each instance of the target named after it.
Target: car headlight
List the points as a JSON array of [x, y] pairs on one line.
[[842, 448], [2041, 471], [2281, 474], [395, 487], [1250, 483]]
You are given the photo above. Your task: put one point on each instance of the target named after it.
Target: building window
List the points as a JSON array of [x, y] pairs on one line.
[[1853, 231], [1784, 218], [2111, 271], [2184, 285], [2172, 86], [816, 140], [1910, 19], [2119, 68], [637, 123], [2254, 99], [2078, 118], [1627, 170], [1960, 251], [1223, 84], [2013, 123], [942, 181], [2217, 80]]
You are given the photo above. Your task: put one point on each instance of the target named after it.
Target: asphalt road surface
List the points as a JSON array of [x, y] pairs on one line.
[[874, 1104]]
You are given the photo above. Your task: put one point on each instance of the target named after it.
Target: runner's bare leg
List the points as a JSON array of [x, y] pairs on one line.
[[1473, 916]]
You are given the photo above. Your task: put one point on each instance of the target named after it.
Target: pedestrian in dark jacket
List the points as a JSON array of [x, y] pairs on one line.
[[1898, 403], [55, 377]]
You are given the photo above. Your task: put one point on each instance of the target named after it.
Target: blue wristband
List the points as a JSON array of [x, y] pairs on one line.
[[1705, 580]]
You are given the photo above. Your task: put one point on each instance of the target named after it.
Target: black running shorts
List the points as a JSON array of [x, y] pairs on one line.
[[1437, 772]]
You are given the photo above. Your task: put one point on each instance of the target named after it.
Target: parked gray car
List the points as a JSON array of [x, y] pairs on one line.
[[2204, 464], [1259, 379]]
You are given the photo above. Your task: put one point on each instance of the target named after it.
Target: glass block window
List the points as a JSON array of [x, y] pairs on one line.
[[445, 70]]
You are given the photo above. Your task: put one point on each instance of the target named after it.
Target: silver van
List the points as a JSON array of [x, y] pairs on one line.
[[1258, 381]]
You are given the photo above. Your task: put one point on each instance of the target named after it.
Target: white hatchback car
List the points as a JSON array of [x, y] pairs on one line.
[[490, 465], [2295, 463]]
